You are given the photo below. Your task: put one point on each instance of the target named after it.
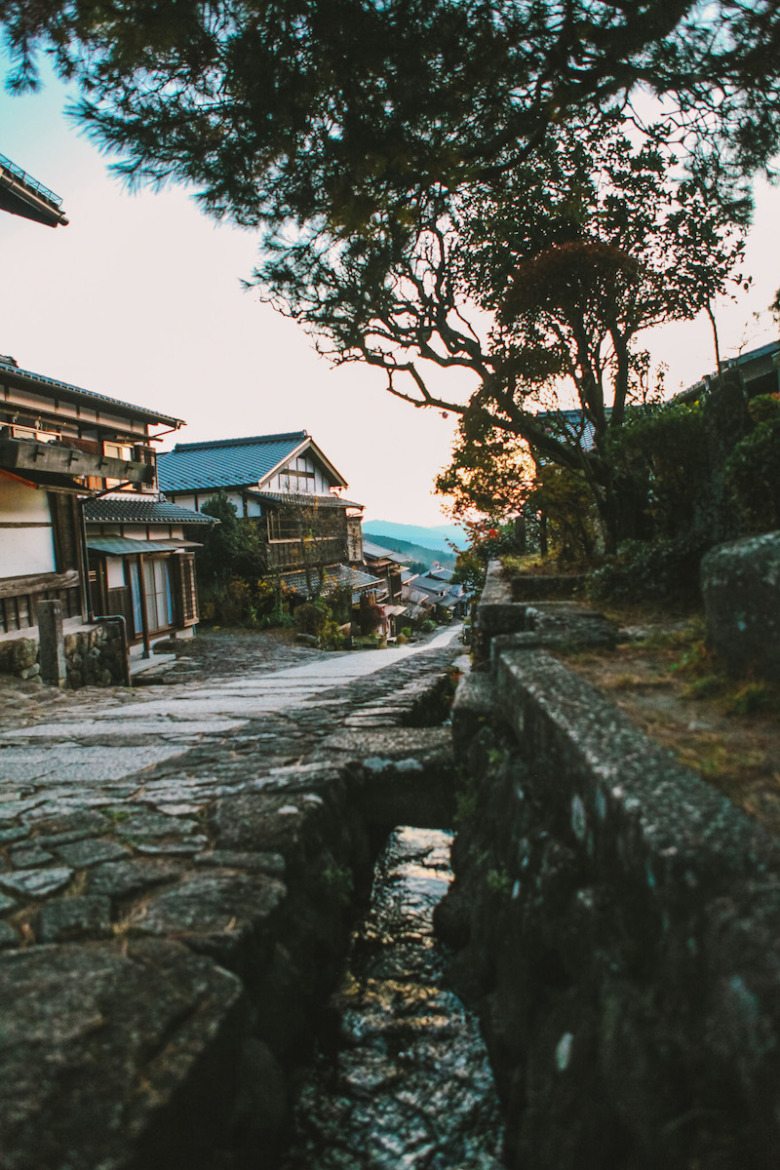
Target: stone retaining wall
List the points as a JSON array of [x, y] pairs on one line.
[[618, 923], [95, 655]]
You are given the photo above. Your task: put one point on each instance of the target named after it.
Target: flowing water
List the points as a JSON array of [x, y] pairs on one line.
[[403, 1082]]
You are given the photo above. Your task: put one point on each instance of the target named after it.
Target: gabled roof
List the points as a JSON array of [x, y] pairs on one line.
[[231, 463], [136, 510], [375, 552]]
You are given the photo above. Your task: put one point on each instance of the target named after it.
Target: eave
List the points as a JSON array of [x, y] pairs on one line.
[[22, 195]]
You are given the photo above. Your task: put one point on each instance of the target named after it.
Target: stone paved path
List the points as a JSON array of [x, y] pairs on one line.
[[172, 908], [58, 739], [97, 777]]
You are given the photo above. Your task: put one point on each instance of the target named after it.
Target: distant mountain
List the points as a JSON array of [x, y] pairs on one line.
[[416, 553], [434, 537]]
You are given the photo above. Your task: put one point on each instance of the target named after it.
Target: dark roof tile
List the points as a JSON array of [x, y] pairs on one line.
[[137, 510]]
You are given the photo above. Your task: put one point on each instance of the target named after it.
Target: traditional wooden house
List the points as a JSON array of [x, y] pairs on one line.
[[61, 445], [285, 483], [387, 565], [141, 563]]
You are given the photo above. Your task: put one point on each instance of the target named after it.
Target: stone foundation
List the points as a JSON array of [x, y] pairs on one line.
[[741, 590], [95, 656]]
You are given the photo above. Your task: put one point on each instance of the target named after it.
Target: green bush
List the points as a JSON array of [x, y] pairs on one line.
[[753, 468], [427, 626], [661, 466], [312, 617], [331, 637], [666, 571]]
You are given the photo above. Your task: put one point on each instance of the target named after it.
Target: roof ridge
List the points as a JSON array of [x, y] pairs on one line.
[[284, 436]]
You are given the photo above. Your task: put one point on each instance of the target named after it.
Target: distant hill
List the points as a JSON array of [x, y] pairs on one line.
[[417, 553], [435, 537]]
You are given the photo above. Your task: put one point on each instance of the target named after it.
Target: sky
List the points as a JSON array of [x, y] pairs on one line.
[[140, 298]]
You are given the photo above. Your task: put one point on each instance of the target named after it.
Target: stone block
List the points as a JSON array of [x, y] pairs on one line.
[[66, 919], [740, 585], [18, 655], [117, 1055]]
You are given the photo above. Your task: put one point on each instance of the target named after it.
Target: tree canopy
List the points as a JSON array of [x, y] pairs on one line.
[[467, 183], [339, 109], [534, 280]]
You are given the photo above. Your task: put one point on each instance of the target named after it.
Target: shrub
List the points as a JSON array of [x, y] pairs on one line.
[[312, 617], [427, 626], [644, 572], [752, 468]]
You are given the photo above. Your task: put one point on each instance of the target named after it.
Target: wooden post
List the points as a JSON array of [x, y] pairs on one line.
[[52, 643], [144, 607]]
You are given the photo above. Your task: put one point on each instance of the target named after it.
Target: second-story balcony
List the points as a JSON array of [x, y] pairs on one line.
[[298, 553], [56, 458]]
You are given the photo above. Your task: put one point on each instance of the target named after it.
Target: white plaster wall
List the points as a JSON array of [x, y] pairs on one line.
[[115, 573], [286, 479], [24, 551]]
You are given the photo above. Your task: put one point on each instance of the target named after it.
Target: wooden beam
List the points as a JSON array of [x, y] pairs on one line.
[[29, 455], [38, 583]]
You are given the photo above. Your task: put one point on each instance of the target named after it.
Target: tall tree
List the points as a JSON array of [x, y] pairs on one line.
[[538, 281], [340, 109]]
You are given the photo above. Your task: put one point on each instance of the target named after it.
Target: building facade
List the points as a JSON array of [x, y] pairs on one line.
[[290, 489], [63, 451]]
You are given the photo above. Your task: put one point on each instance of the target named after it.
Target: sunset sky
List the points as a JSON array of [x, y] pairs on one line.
[[140, 298]]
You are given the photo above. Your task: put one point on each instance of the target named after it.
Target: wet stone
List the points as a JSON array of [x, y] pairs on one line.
[[15, 833], [98, 1038], [212, 911], [123, 879], [270, 863], [30, 856], [90, 851], [70, 827], [36, 883], [410, 1086], [8, 936], [7, 904], [140, 826], [64, 919], [184, 848]]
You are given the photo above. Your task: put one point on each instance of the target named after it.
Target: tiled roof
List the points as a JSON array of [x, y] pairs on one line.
[[137, 510], [335, 577], [375, 552], [11, 373], [307, 500], [122, 546], [430, 585], [223, 463]]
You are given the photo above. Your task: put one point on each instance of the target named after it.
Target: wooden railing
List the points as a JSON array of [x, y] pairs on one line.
[[292, 554], [19, 597]]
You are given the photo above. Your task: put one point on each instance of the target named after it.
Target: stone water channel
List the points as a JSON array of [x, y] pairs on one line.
[[401, 1079]]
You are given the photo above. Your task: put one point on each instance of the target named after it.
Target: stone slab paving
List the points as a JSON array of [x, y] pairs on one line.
[[143, 834]]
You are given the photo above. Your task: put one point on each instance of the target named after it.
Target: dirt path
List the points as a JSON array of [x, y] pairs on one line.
[[669, 686]]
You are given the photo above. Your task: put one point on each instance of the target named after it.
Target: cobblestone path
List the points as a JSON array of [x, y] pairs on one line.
[[93, 781]]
